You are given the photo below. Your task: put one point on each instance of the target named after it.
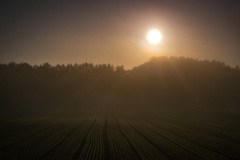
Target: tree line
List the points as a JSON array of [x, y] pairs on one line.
[[162, 82]]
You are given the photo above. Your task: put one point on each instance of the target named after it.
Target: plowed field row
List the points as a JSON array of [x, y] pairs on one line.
[[116, 136]]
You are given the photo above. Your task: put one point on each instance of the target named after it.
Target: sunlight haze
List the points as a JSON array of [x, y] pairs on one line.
[[115, 32]]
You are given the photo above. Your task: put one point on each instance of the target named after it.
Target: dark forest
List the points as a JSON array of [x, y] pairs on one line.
[[160, 83]]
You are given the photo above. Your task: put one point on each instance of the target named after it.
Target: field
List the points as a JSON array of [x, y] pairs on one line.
[[119, 135]]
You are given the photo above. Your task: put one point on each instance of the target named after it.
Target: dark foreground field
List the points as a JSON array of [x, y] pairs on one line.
[[119, 135]]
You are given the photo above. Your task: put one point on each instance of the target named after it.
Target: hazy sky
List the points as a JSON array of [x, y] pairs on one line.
[[37, 31]]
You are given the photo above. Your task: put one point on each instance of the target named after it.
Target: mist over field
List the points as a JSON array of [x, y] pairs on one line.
[[120, 80], [162, 83], [166, 108]]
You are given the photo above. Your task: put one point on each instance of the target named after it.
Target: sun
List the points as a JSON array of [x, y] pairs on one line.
[[154, 36]]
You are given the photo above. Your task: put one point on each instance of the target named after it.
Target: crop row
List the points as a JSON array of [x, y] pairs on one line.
[[116, 136]]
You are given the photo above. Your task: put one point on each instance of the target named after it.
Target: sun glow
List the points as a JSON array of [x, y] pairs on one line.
[[154, 36]]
